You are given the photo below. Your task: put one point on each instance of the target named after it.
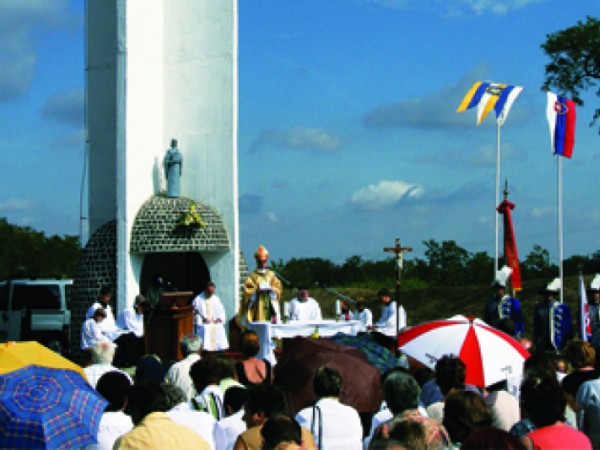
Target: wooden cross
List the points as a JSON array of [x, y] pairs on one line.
[[399, 251]]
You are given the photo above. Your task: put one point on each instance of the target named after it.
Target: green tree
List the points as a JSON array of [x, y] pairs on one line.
[[416, 272], [575, 264], [574, 65], [27, 252], [309, 271], [380, 272], [537, 264], [480, 268], [351, 270], [447, 262]]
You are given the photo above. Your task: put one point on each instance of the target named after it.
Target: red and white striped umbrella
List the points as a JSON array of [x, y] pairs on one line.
[[489, 354]]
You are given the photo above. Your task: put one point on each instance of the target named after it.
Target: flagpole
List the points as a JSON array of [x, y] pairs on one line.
[[487, 96], [497, 196], [560, 228]]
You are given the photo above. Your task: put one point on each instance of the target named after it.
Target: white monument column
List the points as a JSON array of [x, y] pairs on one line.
[[161, 70]]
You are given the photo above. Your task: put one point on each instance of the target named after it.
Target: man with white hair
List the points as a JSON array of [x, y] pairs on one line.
[[503, 306], [103, 354], [179, 373], [201, 422]]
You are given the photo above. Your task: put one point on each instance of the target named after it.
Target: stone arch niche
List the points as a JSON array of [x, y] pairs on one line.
[[96, 268], [177, 253], [157, 245]]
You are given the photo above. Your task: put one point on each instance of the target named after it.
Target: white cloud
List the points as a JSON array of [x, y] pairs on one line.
[[74, 140], [498, 7], [65, 107], [541, 212], [396, 4], [20, 21], [486, 155], [384, 194], [472, 156], [298, 138], [459, 7], [15, 204], [436, 110]]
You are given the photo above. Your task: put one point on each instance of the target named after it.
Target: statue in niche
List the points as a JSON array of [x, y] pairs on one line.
[[172, 164]]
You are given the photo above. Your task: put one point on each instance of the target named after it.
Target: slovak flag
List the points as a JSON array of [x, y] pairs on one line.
[[487, 96], [561, 114], [585, 330]]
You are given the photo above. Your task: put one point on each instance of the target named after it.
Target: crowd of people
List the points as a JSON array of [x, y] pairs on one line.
[[209, 400]]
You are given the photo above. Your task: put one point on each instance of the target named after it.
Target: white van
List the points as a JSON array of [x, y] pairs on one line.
[[35, 309]]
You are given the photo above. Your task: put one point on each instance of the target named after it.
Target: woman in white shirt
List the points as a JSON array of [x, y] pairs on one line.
[[335, 426]]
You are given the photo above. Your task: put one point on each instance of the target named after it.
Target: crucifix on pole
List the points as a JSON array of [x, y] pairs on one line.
[[398, 250]]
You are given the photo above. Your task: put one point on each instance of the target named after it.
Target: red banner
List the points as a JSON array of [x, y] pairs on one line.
[[511, 257]]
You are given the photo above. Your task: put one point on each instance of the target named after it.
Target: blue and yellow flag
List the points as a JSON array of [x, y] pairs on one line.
[[488, 96]]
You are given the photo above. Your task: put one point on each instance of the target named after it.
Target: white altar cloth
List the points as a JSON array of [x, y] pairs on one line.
[[267, 331]]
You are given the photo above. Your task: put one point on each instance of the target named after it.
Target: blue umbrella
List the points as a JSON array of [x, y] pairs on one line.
[[42, 407]]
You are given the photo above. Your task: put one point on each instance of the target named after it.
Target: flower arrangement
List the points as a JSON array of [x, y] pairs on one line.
[[191, 219]]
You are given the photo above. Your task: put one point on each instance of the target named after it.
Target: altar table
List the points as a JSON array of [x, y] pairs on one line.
[[267, 331]]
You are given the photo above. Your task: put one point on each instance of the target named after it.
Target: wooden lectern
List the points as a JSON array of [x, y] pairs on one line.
[[172, 319]]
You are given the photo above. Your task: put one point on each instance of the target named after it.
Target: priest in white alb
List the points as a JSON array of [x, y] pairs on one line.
[[210, 319], [304, 307]]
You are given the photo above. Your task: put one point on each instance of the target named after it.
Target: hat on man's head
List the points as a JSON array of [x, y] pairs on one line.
[[595, 283], [502, 277], [261, 252], [553, 287]]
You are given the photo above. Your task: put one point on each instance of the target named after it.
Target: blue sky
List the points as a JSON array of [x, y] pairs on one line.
[[348, 136]]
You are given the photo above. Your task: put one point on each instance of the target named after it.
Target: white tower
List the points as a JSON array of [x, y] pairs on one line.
[[159, 70]]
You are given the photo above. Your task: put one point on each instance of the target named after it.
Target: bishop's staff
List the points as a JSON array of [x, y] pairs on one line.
[[398, 250]]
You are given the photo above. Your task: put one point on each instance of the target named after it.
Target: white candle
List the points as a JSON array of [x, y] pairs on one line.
[[338, 308], [286, 309]]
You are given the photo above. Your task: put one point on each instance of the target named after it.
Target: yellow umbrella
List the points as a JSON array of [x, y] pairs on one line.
[[15, 355]]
